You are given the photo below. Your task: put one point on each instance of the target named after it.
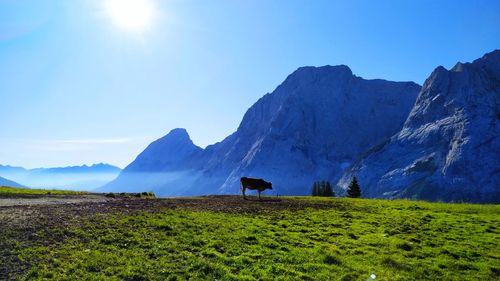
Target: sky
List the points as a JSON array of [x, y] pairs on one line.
[[90, 81]]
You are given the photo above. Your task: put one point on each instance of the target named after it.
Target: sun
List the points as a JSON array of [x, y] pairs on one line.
[[131, 15]]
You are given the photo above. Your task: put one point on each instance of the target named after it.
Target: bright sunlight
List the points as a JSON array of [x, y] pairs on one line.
[[131, 15]]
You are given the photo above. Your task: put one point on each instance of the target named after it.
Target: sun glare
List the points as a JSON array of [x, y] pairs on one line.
[[131, 15]]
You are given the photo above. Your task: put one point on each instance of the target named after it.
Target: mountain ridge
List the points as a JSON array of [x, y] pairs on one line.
[[449, 145], [84, 177], [309, 101], [325, 123], [96, 166]]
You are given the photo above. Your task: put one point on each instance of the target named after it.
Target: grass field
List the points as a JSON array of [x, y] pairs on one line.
[[227, 238], [6, 190]]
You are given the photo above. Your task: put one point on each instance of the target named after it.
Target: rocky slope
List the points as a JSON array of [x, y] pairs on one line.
[[312, 127], [449, 147], [166, 166]]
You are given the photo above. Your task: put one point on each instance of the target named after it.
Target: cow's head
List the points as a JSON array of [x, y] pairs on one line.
[[269, 185]]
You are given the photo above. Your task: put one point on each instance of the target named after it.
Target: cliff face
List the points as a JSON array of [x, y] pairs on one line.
[[312, 127], [449, 147]]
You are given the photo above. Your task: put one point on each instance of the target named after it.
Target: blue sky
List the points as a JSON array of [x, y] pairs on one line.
[[77, 88]]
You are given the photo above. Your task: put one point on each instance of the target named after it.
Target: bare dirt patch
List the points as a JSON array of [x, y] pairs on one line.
[[48, 200]]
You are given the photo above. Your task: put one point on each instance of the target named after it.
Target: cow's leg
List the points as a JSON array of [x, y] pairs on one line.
[[243, 191]]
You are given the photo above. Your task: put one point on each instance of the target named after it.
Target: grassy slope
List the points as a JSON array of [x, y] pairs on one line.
[[28, 191], [396, 240]]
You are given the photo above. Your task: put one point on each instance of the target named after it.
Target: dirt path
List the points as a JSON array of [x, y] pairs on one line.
[[51, 210], [47, 200]]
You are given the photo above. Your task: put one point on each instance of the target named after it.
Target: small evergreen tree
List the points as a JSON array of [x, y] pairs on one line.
[[315, 189], [329, 190], [354, 190]]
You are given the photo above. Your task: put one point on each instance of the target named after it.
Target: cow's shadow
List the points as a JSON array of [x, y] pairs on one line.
[[263, 199]]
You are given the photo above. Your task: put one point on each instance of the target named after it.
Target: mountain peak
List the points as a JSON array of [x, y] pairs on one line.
[[178, 131], [491, 56], [307, 77], [177, 135], [164, 152], [307, 73], [489, 61], [341, 68]]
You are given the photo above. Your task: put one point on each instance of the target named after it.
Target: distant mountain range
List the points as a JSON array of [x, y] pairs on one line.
[[436, 142], [74, 177]]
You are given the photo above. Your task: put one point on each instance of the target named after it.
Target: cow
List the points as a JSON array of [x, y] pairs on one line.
[[254, 184]]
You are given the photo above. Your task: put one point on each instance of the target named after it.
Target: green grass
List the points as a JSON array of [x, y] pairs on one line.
[[28, 191], [395, 240]]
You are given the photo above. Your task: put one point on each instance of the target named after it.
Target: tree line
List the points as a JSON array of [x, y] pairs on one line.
[[324, 188]]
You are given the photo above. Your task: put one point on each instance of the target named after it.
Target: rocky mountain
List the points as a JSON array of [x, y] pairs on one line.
[[166, 166], [6, 182], [311, 127], [449, 146], [73, 177]]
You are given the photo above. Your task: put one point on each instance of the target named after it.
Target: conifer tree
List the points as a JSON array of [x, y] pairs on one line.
[[322, 188], [315, 189], [354, 190], [329, 190]]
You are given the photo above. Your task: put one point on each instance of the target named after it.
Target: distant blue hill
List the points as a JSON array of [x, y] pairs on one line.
[[95, 168], [6, 182], [83, 177]]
